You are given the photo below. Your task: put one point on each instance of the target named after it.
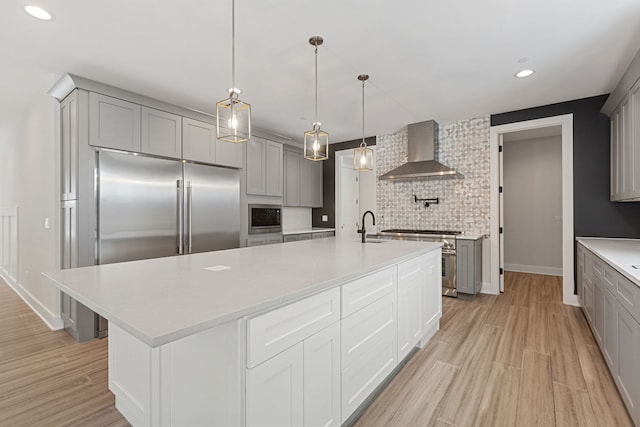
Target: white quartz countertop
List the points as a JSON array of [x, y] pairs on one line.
[[622, 254], [164, 299], [307, 230]]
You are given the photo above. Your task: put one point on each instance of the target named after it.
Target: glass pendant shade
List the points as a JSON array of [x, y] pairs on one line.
[[363, 158], [233, 119], [316, 144], [363, 155]]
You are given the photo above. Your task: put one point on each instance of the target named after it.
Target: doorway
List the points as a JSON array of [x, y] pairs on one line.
[[497, 138], [355, 193]]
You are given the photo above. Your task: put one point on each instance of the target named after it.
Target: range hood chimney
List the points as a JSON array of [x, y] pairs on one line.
[[422, 163]]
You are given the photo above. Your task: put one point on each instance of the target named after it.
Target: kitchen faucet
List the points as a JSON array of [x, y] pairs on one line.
[[363, 231]]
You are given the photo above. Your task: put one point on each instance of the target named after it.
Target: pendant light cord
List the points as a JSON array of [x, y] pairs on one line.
[[233, 47], [316, 69], [363, 143]]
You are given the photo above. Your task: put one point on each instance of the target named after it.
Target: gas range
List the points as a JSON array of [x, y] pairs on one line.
[[447, 237]]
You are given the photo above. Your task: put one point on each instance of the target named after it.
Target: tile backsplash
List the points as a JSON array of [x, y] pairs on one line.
[[464, 202]]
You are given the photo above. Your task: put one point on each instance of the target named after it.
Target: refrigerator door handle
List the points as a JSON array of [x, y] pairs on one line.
[[189, 211], [180, 196]]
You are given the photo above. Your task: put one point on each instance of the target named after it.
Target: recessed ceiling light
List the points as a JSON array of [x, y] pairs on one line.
[[524, 73], [38, 12]]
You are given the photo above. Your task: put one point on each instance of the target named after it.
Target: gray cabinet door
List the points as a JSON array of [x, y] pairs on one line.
[[228, 154], [465, 266], [627, 374], [588, 298], [610, 335], [291, 178], [69, 147], [114, 123], [310, 183], [198, 141], [161, 133], [256, 167], [598, 309], [273, 169], [468, 266]]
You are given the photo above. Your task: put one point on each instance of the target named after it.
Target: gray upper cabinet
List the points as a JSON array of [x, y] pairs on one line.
[[625, 147], [310, 183], [228, 154], [199, 144], [255, 166], [161, 133], [114, 123], [264, 168], [302, 181], [291, 178], [273, 169], [198, 141]]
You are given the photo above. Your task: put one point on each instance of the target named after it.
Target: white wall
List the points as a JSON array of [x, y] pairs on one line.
[[28, 182], [533, 205]]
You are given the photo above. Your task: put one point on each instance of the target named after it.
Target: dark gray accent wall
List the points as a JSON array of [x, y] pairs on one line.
[[329, 183], [594, 214]]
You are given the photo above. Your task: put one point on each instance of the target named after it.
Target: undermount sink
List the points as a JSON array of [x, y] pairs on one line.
[[375, 241]]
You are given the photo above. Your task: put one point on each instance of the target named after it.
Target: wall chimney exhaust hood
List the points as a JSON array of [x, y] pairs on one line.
[[422, 163]]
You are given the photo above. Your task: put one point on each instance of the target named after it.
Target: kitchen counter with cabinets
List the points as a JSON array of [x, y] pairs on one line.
[[608, 280], [304, 332]]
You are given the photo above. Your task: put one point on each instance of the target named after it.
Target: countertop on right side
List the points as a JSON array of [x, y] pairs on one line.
[[622, 254]]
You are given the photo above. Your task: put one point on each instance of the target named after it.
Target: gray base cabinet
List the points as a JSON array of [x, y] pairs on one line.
[[264, 239], [469, 266], [611, 304]]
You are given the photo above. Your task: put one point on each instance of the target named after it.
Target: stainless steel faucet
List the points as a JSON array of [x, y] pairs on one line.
[[363, 231]]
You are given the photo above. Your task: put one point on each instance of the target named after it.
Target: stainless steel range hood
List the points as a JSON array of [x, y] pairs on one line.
[[422, 163]]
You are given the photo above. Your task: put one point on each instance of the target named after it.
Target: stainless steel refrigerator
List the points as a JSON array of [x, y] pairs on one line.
[[150, 207]]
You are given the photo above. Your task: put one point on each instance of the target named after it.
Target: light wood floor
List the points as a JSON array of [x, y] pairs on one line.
[[46, 378], [519, 359]]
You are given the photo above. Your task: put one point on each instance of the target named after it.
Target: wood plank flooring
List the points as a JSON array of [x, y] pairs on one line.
[[518, 359], [46, 378]]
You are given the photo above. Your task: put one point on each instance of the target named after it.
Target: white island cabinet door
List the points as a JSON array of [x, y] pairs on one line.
[[411, 285], [275, 390], [322, 378]]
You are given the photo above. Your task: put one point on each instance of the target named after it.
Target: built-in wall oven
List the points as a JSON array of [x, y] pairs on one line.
[[265, 219], [448, 239]]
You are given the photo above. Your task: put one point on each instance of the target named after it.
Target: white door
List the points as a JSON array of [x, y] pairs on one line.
[[322, 378], [347, 195], [274, 390]]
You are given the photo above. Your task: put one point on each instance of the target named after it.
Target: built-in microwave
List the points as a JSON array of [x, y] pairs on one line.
[[265, 219]]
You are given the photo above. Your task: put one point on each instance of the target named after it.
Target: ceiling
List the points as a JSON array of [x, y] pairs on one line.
[[428, 59]]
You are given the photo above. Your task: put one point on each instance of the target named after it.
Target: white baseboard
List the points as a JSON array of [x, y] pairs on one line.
[[54, 322], [534, 269]]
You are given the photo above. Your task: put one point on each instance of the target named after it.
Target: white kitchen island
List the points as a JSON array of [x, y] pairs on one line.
[[289, 334]]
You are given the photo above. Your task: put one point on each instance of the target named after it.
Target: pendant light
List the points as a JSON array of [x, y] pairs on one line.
[[363, 156], [316, 141], [233, 117]]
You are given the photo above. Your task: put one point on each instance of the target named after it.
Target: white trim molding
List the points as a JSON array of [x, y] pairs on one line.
[[566, 122]]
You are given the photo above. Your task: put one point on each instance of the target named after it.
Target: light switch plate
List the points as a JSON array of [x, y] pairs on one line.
[[325, 218]]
